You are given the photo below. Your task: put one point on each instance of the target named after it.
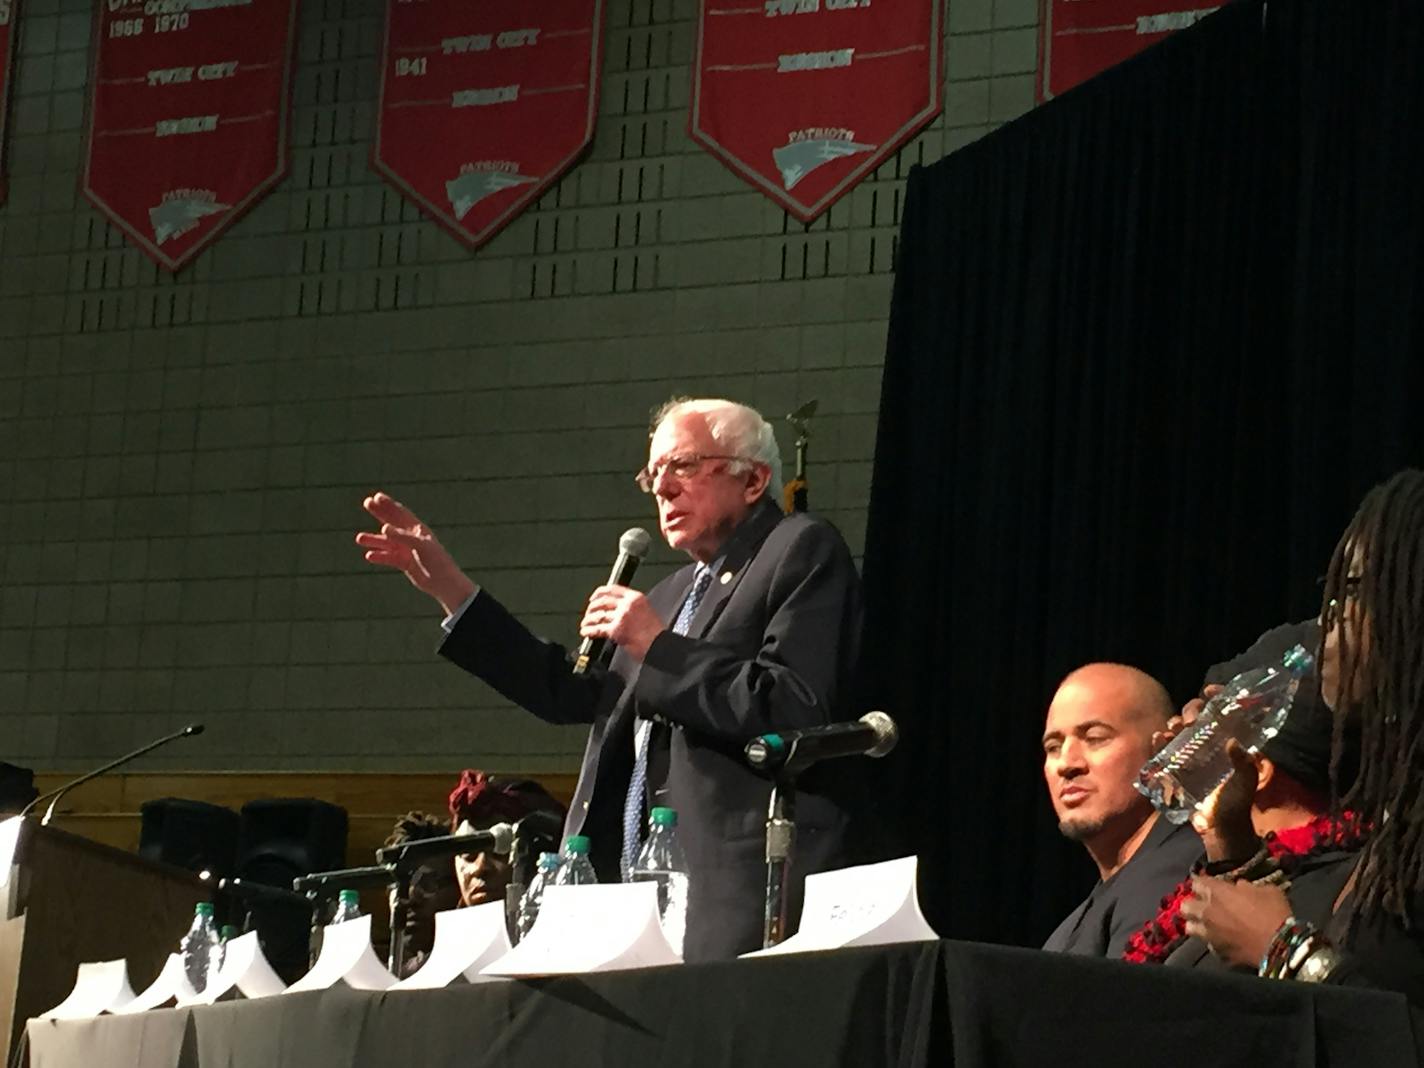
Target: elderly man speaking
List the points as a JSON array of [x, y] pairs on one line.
[[759, 633]]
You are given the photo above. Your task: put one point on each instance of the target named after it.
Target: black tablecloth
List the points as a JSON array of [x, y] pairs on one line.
[[934, 1003]]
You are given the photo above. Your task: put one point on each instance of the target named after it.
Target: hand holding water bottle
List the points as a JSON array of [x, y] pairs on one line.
[[1223, 820], [1185, 718], [1185, 773]]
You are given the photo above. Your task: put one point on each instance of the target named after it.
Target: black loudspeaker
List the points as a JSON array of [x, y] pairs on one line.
[[190, 834], [289, 836], [283, 838]]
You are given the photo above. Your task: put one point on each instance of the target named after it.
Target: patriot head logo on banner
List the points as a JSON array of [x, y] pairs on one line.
[[484, 106], [188, 118], [802, 98]]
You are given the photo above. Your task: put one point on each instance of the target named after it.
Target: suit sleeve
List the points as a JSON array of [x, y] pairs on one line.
[[535, 674], [802, 668]]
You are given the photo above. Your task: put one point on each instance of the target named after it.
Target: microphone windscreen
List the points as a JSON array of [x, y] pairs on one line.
[[193, 728], [635, 542], [886, 733]]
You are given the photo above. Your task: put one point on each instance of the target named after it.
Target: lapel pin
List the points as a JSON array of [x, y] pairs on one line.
[[726, 577]]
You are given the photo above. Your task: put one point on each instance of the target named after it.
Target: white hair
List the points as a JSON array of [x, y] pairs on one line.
[[735, 427]]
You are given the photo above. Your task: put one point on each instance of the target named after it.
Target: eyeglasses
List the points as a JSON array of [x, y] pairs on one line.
[[681, 468], [1349, 590]]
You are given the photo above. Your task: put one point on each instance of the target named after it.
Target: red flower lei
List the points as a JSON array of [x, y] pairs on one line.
[[1156, 939]]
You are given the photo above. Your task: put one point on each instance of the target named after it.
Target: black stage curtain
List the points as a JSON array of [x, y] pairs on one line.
[[1149, 346]]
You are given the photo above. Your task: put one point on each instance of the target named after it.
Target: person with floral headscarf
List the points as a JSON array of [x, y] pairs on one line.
[[478, 802]]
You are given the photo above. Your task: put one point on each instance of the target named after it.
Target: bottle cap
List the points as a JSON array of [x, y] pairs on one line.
[[664, 817], [1298, 661], [203, 908], [548, 861], [576, 845], [349, 897], [229, 932]]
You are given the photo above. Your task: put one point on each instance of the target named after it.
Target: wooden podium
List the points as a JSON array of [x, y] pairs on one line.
[[68, 900]]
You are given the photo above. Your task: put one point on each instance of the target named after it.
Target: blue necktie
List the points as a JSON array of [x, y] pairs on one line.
[[638, 782]]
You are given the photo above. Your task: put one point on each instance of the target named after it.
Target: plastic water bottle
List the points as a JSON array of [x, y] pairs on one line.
[[348, 906], [199, 947], [662, 861], [1251, 708], [575, 869], [534, 893], [219, 955]]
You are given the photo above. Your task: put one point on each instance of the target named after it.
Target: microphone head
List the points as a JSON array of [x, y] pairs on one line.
[[886, 733], [192, 729], [503, 835], [635, 542]]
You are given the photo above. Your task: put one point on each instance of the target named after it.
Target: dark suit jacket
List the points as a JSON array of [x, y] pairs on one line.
[[772, 647]]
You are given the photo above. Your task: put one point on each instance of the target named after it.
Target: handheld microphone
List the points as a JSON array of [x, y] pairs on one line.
[[632, 547], [188, 731], [789, 752]]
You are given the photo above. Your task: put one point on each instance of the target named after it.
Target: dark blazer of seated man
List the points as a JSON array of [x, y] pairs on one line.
[[759, 633], [1098, 735]]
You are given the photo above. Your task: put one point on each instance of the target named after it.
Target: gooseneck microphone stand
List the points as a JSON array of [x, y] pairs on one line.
[[185, 732], [781, 757], [319, 887], [402, 860], [780, 844]]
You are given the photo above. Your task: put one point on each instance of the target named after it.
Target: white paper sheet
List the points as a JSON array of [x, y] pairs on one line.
[[100, 986], [867, 905], [171, 985], [346, 957], [246, 967], [9, 841], [245, 971], [465, 941], [591, 929]]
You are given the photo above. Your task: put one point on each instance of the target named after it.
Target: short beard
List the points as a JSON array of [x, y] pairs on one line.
[[1081, 829]]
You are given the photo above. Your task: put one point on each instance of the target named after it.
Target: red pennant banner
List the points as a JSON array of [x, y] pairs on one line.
[[802, 98], [1080, 38], [483, 106], [8, 10], [188, 121]]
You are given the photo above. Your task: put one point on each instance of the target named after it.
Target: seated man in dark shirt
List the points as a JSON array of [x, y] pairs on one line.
[[1098, 735]]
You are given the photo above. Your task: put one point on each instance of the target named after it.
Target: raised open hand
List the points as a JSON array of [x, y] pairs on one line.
[[408, 545]]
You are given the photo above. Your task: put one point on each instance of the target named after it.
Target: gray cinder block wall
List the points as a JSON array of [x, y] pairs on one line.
[[182, 458]]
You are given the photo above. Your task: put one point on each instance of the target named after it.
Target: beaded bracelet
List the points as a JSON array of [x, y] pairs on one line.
[[1277, 938], [1285, 948]]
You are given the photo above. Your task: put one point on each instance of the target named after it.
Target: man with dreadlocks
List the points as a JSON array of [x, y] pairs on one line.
[[1359, 924]]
